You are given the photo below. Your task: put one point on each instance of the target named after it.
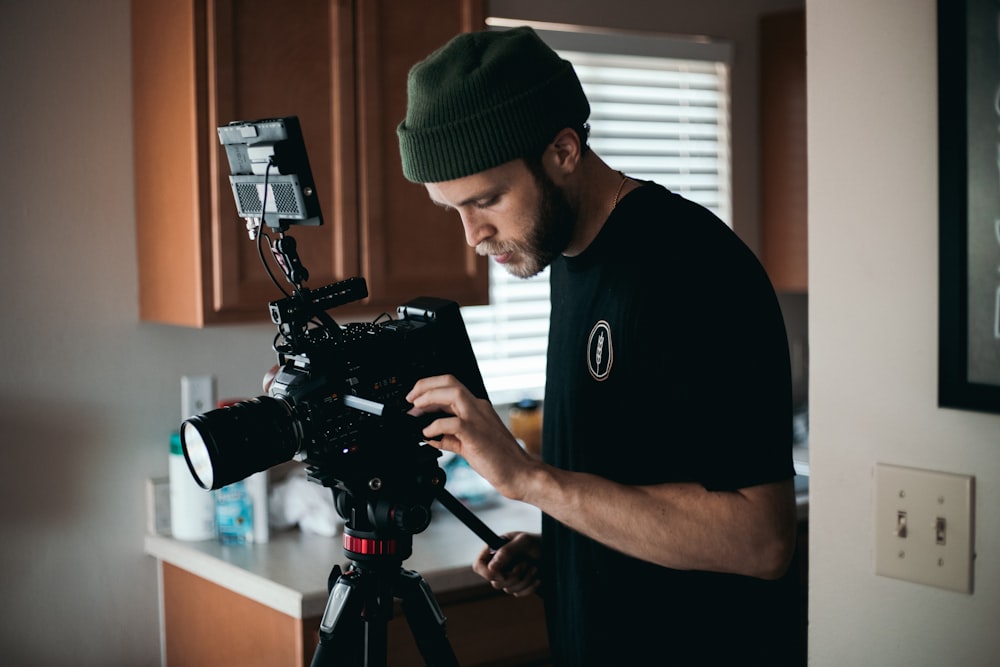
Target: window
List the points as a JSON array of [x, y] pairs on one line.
[[659, 112]]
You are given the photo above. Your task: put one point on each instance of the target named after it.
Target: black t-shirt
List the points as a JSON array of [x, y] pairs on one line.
[[667, 362]]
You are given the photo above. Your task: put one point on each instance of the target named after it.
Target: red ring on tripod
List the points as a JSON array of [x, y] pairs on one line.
[[367, 546]]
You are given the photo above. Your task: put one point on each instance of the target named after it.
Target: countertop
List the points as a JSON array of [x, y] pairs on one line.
[[289, 573]]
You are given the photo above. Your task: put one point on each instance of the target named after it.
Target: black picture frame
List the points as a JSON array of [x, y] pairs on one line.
[[969, 222]]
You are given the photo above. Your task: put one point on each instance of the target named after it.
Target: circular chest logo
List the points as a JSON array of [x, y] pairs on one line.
[[600, 353]]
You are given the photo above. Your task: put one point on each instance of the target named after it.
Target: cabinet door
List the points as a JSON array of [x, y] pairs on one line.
[[340, 66], [169, 162], [198, 65], [268, 59], [409, 245]]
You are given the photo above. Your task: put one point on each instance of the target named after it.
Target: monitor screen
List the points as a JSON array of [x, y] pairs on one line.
[[269, 172]]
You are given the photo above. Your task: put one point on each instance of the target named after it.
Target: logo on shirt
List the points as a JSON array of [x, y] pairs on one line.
[[600, 353]]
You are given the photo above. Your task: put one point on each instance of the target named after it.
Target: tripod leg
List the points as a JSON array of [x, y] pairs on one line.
[[341, 630], [426, 620]]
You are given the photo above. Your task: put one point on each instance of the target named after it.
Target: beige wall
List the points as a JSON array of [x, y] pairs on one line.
[[88, 395], [873, 220]]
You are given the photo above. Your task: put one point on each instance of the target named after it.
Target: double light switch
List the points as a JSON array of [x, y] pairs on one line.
[[924, 526]]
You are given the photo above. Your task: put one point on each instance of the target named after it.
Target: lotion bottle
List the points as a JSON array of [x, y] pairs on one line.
[[192, 509]]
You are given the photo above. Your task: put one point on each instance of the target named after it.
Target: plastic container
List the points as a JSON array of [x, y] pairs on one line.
[[234, 513], [241, 511], [526, 424], [192, 508], [466, 484], [257, 488]]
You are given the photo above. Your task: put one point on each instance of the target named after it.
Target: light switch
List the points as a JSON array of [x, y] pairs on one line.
[[924, 528], [900, 524]]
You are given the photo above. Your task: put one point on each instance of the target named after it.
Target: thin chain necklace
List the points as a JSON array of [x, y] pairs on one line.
[[618, 194]]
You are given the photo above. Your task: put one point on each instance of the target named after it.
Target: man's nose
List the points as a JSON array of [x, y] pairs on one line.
[[476, 229]]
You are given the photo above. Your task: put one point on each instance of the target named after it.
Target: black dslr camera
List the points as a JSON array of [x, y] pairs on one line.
[[337, 401]]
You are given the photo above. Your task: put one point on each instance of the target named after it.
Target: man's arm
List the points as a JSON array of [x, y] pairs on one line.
[[749, 531]]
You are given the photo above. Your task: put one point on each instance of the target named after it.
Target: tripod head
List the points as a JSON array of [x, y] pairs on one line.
[[383, 508], [382, 513]]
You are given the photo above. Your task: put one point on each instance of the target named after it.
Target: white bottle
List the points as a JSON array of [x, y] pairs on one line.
[[192, 508], [257, 488]]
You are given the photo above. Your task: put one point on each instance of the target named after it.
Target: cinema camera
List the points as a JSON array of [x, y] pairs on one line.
[[337, 403]]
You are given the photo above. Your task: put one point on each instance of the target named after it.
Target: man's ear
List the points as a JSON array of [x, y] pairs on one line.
[[563, 154]]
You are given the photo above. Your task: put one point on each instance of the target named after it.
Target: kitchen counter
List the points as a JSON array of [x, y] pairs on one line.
[[289, 573]]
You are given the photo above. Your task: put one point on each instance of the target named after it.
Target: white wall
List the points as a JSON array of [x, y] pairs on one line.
[[873, 220], [88, 395]]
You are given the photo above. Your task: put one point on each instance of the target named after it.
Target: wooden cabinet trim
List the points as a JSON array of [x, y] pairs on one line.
[[784, 139]]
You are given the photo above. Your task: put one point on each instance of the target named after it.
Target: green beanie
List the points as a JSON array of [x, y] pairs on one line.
[[483, 99]]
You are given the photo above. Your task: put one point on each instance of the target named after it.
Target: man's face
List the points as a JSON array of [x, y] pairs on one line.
[[512, 213]]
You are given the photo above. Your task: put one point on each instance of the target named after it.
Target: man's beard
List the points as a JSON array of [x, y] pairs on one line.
[[548, 236]]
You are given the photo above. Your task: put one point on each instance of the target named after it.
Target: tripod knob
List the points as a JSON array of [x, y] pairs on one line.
[[411, 519]]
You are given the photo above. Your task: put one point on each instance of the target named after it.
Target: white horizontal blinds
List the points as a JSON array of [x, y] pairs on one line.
[[660, 112], [510, 335], [663, 120]]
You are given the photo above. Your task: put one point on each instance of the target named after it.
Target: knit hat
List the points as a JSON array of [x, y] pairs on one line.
[[483, 99]]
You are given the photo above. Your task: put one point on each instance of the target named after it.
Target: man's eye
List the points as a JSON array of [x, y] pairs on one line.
[[486, 203]]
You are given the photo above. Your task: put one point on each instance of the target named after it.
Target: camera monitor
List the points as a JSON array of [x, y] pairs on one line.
[[269, 172]]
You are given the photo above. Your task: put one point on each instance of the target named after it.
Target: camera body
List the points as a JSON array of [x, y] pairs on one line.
[[337, 401]]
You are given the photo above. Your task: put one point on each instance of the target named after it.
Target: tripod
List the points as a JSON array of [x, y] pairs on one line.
[[378, 537]]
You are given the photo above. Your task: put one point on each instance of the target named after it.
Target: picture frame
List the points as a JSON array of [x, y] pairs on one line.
[[969, 205]]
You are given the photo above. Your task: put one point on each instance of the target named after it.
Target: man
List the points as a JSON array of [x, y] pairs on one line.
[[666, 480]]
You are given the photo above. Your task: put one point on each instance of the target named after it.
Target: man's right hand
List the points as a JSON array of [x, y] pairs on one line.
[[513, 568]]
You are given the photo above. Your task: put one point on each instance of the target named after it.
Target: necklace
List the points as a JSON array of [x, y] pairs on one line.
[[618, 194]]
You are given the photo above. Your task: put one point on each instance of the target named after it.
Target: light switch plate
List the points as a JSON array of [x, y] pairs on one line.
[[197, 394], [158, 506], [924, 528]]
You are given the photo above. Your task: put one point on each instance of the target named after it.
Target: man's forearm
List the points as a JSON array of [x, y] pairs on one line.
[[749, 531]]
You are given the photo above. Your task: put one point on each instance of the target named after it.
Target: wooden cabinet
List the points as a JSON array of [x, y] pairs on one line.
[[784, 184], [206, 624], [341, 67]]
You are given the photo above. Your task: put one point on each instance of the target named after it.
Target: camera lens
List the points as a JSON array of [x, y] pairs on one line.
[[229, 444], [196, 453]]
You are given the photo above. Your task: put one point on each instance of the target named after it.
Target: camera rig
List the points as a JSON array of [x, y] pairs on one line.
[[337, 403]]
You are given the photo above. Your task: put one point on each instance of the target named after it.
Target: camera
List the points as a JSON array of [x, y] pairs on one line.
[[337, 400]]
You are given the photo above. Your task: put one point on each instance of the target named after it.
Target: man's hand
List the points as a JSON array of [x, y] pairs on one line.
[[513, 568], [474, 431]]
